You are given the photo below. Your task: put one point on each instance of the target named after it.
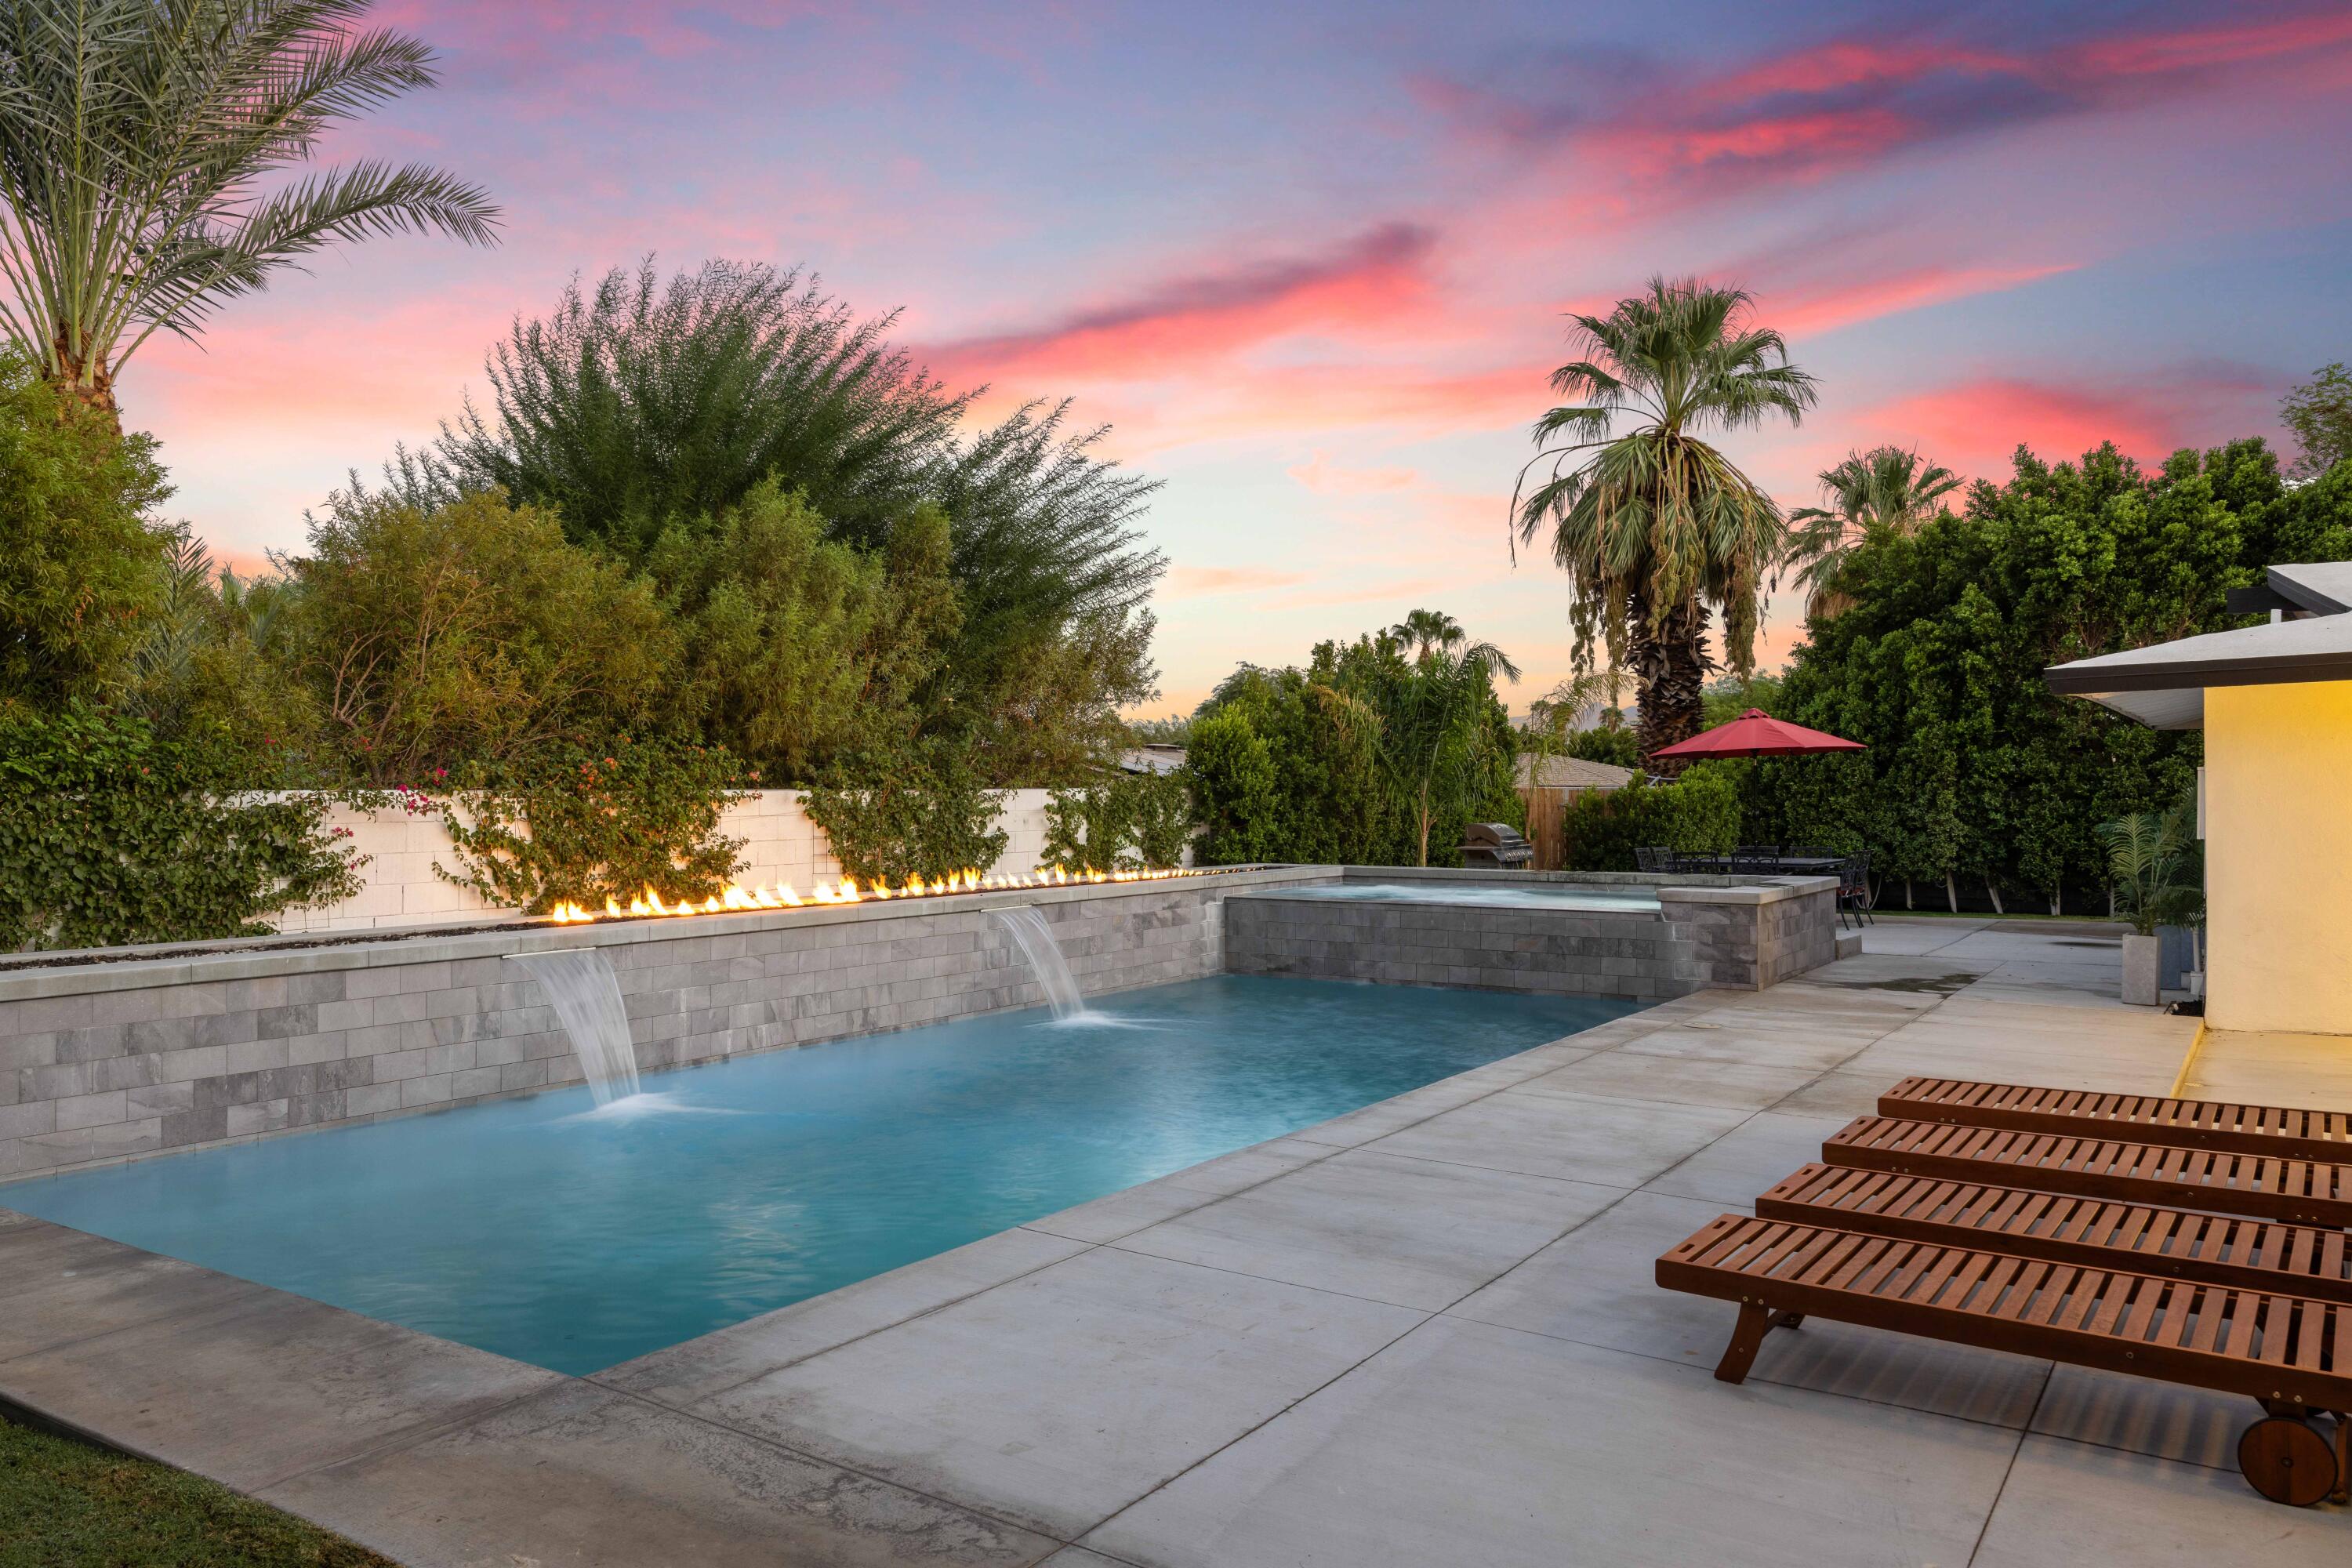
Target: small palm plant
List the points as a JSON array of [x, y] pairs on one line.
[[2157, 870], [142, 148]]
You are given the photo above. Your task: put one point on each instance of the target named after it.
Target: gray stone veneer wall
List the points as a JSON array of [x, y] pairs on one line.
[[1636, 956], [106, 1061], [1748, 938]]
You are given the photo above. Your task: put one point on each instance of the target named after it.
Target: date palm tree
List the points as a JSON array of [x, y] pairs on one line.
[[1655, 528], [1888, 489], [140, 146]]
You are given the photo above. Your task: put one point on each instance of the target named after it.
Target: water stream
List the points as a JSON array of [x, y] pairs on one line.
[[1036, 939], [586, 996]]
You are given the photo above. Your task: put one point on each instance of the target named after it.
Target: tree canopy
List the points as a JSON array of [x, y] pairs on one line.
[[1976, 774]]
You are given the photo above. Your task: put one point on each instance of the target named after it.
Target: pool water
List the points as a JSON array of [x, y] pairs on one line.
[[1488, 895], [549, 1231]]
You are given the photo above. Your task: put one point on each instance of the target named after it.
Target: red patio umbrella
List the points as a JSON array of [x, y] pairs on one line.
[[1756, 733]]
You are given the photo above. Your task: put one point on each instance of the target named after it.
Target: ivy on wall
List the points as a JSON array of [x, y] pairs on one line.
[[584, 826], [1131, 822], [928, 822], [109, 836]]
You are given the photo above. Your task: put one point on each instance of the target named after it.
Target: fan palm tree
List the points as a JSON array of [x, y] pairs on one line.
[[1657, 528], [136, 141], [1424, 631], [1887, 489]]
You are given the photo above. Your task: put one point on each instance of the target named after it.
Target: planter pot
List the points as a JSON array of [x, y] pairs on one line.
[[2143, 966]]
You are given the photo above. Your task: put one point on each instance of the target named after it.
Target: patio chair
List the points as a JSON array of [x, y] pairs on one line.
[[1654, 858], [1749, 859], [1853, 891]]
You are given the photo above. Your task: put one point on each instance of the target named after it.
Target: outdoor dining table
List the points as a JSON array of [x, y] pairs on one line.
[[1776, 865]]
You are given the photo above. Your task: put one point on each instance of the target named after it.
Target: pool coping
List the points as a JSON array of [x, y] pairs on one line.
[[259, 1388]]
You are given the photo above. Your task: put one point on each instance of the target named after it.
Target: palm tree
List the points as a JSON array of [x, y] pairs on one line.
[[1438, 737], [1887, 489], [1654, 527], [138, 141], [1424, 631]]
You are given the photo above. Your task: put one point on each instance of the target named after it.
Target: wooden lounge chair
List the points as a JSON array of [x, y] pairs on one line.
[[2144, 1118], [2291, 1353], [2248, 1254], [2299, 1192]]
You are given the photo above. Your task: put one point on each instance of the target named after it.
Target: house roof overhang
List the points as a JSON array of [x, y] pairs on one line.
[[2165, 685]]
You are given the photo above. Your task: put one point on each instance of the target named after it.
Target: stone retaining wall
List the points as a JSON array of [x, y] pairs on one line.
[[1640, 957], [107, 1061]]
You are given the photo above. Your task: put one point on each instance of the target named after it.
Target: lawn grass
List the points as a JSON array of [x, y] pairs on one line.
[[65, 1504]]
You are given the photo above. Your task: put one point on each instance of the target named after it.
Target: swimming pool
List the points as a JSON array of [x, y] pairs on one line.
[[546, 1231], [1487, 895]]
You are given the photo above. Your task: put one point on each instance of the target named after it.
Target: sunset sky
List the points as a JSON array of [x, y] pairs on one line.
[[1310, 260]]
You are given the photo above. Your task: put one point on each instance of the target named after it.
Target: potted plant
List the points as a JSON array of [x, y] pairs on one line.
[[2158, 881]]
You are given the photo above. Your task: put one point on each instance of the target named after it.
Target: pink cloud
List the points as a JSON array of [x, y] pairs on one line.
[[1201, 581], [1363, 285], [1974, 426], [1323, 477], [1854, 299]]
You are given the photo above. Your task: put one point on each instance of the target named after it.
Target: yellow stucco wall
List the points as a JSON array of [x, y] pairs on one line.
[[2278, 857]]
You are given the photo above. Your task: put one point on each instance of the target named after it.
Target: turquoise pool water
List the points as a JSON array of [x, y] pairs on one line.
[[547, 1231], [1486, 895]]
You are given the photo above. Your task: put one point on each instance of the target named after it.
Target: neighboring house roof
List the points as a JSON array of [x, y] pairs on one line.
[[1152, 760], [2164, 685], [1572, 772]]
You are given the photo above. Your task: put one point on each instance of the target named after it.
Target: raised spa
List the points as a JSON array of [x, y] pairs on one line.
[[555, 1233], [1486, 895]]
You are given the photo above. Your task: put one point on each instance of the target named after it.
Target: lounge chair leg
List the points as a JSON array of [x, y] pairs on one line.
[[1747, 1338]]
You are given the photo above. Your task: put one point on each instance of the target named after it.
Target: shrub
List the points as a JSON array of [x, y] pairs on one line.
[[468, 632], [79, 557], [1235, 795], [933, 818], [109, 836], [1697, 813], [583, 828], [797, 650]]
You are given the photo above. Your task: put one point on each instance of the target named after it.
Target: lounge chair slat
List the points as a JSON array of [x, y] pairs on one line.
[[2173, 1243], [2296, 1190], [2271, 1130]]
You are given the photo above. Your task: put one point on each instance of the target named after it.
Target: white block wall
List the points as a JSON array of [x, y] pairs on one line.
[[781, 845]]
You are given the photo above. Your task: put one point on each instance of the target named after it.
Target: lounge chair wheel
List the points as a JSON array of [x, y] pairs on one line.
[[2287, 1460], [1790, 1321]]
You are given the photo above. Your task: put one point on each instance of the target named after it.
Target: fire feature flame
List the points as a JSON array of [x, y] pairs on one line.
[[736, 898]]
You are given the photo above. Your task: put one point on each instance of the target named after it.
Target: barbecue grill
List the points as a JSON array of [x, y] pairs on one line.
[[1495, 846]]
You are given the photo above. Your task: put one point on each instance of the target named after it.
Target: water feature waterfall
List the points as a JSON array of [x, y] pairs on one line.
[[586, 996], [1036, 939]]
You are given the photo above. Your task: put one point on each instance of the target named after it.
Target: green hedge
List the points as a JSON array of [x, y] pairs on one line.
[[109, 836], [1698, 814]]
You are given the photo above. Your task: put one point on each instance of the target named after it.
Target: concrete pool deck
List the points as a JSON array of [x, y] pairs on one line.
[[1422, 1334]]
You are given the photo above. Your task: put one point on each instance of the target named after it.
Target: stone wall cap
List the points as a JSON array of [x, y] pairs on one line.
[[1767, 890], [29, 977]]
